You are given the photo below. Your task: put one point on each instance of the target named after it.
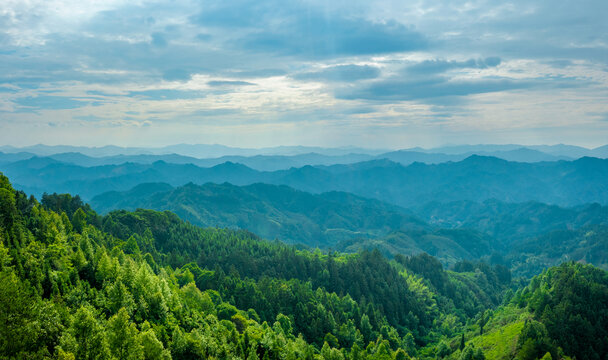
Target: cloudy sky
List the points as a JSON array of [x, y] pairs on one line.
[[388, 73]]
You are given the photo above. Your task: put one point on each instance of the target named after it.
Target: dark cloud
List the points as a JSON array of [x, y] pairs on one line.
[[430, 89], [288, 28], [159, 40], [341, 73], [34, 103], [320, 37]]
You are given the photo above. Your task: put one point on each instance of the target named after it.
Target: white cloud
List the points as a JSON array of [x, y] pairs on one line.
[[186, 68]]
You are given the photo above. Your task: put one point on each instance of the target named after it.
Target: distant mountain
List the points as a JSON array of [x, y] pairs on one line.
[[588, 244], [564, 150], [467, 149], [511, 152], [283, 158], [450, 246], [200, 151], [511, 221], [269, 210], [257, 162], [476, 178], [559, 150], [600, 152], [45, 150], [7, 158], [406, 157], [38, 175], [523, 155], [335, 220]]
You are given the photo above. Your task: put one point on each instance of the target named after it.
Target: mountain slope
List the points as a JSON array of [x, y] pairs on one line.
[[77, 285], [269, 210], [511, 221], [152, 286]]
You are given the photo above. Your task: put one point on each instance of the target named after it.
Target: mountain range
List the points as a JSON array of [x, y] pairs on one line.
[[333, 220], [349, 223], [272, 211], [476, 178], [207, 151]]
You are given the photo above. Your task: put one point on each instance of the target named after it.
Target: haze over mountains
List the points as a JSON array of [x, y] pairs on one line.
[[456, 202], [348, 223], [272, 211], [389, 222], [283, 157], [476, 178]]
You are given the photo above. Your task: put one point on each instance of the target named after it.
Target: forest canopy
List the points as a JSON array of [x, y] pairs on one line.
[[146, 285]]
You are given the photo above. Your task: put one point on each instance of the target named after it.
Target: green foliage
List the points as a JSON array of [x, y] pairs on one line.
[[86, 338], [151, 347], [123, 339], [571, 303], [145, 285], [362, 280], [270, 211], [18, 331], [501, 333], [586, 244], [471, 353]]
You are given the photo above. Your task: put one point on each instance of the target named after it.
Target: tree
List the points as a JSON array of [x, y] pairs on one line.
[[471, 353], [79, 220], [122, 337], [285, 323], [8, 209], [152, 348], [18, 328], [85, 336]]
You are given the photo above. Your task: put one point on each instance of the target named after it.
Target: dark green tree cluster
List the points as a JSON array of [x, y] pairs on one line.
[[571, 303], [471, 288], [368, 278]]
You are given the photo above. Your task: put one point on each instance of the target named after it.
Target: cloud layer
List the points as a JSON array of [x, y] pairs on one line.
[[262, 73]]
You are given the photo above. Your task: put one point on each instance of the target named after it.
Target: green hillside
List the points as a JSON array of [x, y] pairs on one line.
[[146, 285], [511, 221], [268, 210], [334, 220]]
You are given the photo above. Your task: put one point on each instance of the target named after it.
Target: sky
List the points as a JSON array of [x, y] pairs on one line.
[[379, 74]]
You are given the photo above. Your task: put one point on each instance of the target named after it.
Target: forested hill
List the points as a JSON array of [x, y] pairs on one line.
[[327, 220], [512, 221], [475, 178], [146, 285], [270, 211]]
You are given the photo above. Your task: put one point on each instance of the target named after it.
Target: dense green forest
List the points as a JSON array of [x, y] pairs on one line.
[[147, 285]]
